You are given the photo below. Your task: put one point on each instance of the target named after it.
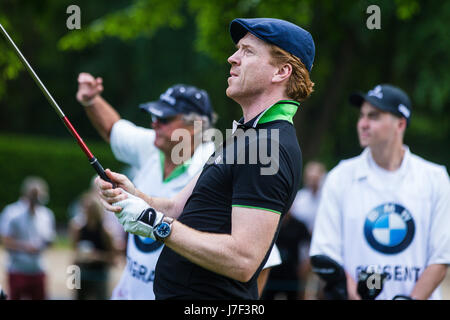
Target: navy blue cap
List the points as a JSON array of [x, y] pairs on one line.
[[281, 33], [180, 99], [385, 97]]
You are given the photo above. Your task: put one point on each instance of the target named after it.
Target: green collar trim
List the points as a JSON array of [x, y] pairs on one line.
[[282, 110], [178, 171]]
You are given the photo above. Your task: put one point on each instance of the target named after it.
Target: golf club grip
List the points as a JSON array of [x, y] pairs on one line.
[[101, 172]]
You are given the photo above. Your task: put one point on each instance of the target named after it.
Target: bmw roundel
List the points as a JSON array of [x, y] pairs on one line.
[[146, 244], [389, 228]]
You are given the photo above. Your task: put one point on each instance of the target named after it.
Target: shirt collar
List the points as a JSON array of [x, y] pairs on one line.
[[193, 164], [362, 170], [282, 110]]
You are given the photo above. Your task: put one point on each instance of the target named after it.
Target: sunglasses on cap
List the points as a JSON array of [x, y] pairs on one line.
[[160, 120]]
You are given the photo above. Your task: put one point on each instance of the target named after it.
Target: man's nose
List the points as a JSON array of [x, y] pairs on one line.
[[233, 59], [363, 122]]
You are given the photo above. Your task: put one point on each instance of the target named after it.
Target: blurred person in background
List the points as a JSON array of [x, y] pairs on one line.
[[386, 211], [94, 250], [285, 280], [304, 210], [306, 201], [150, 154], [27, 229], [77, 219]]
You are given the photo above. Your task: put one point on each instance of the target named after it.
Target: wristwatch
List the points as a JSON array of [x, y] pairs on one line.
[[162, 230]]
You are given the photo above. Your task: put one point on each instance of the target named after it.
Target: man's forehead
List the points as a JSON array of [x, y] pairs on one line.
[[367, 107], [250, 40]]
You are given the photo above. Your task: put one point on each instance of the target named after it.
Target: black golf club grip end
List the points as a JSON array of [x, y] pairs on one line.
[[100, 171]]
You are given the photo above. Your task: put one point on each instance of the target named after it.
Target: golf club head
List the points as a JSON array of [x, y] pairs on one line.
[[334, 276]]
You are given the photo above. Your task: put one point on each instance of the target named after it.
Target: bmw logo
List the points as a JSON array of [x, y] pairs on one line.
[[146, 244], [389, 228]]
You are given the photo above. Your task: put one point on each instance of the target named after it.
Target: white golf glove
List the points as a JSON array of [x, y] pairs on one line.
[[138, 217]]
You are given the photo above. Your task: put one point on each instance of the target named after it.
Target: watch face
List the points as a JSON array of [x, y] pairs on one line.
[[163, 230]]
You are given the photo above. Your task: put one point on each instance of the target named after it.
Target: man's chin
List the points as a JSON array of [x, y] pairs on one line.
[[233, 94], [363, 144], [229, 93], [159, 143]]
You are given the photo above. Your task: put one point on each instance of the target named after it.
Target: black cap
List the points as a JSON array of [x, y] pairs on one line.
[[180, 99], [385, 97], [281, 33]]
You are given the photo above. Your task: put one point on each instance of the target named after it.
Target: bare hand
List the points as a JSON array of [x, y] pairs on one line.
[[88, 88], [108, 195]]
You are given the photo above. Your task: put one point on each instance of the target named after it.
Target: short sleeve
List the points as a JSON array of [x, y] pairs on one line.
[[5, 220], [439, 243], [48, 228], [252, 188], [327, 233], [130, 143]]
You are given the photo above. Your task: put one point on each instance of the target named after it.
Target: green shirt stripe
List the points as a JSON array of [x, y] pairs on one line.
[[251, 207]]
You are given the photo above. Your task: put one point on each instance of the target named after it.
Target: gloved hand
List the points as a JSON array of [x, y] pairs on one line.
[[334, 276], [138, 217]]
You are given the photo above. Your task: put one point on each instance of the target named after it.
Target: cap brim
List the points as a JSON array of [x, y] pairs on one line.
[[159, 109], [356, 99], [238, 29]]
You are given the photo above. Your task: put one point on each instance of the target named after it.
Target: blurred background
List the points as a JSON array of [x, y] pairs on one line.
[[142, 47]]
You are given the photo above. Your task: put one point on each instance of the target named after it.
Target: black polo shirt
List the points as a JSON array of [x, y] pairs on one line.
[[258, 166]]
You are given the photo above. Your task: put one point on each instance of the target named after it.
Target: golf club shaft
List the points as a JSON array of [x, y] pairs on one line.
[[92, 160]]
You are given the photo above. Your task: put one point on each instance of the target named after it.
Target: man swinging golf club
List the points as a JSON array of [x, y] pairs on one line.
[[218, 231]]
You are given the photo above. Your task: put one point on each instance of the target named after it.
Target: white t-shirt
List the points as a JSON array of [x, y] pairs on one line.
[[135, 146], [37, 229], [305, 206], [395, 222]]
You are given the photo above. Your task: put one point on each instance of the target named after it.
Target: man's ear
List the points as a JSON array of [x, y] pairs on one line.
[[283, 72], [402, 123]]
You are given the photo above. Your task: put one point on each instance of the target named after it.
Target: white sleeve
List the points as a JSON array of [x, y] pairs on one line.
[[327, 232], [51, 231], [130, 143], [5, 217], [439, 242], [274, 258]]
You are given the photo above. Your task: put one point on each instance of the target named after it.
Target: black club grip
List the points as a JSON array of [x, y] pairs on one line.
[[100, 171]]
